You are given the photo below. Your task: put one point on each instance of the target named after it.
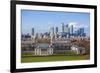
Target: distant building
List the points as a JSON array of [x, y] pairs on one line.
[[66, 29], [52, 31], [61, 46], [71, 30], [43, 49], [62, 27], [68, 32], [80, 32], [37, 35], [78, 50], [51, 34], [32, 31], [56, 32], [27, 45], [25, 36]]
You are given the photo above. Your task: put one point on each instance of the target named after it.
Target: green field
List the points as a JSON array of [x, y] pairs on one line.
[[53, 58]]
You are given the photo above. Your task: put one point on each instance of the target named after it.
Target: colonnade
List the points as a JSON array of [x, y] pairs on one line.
[[47, 51]]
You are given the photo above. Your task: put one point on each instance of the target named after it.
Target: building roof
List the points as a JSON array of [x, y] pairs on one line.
[[43, 45]]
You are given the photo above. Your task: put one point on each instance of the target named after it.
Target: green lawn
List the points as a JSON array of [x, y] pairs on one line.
[[53, 58], [32, 54]]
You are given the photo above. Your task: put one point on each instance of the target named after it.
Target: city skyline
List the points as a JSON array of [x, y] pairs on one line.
[[42, 21]]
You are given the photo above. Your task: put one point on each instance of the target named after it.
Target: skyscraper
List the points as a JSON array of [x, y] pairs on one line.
[[51, 34], [66, 29], [32, 31], [52, 31], [56, 30], [62, 27], [81, 31], [71, 29]]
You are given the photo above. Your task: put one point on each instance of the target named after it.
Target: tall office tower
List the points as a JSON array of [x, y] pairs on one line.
[[56, 32], [68, 33], [52, 31], [81, 31], [51, 34], [78, 32], [71, 29], [62, 27], [37, 35], [66, 29], [32, 31]]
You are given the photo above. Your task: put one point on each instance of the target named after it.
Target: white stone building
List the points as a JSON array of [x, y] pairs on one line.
[[43, 49], [78, 50]]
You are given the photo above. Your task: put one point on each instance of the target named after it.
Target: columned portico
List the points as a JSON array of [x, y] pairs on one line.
[[37, 51], [41, 51]]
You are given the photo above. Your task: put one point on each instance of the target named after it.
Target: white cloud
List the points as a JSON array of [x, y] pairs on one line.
[[73, 23], [78, 25]]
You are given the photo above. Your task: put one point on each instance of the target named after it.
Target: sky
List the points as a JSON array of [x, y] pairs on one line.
[[41, 21]]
